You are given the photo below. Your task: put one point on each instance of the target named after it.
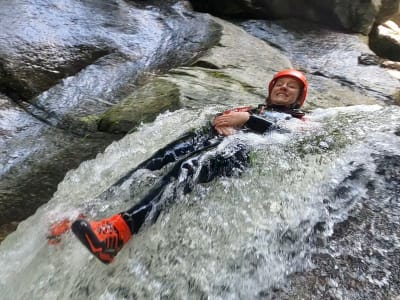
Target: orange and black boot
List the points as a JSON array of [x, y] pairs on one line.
[[103, 238]]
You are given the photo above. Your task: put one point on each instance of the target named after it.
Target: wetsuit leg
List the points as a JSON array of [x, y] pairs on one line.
[[197, 167], [229, 163], [187, 144]]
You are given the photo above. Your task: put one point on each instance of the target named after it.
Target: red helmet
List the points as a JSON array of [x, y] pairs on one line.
[[295, 74]]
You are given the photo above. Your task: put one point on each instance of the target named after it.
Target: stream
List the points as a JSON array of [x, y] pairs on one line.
[[256, 236]]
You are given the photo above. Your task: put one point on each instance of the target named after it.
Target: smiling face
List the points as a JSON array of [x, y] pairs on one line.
[[286, 91]]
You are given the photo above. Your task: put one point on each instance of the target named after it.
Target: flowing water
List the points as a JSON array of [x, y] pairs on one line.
[[232, 238]]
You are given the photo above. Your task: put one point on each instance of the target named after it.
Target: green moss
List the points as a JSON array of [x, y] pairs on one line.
[[142, 106], [90, 121], [223, 76], [220, 75]]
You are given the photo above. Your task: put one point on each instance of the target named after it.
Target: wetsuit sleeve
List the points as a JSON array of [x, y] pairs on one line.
[[258, 124]]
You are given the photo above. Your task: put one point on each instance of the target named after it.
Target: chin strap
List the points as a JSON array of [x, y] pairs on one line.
[[294, 112]]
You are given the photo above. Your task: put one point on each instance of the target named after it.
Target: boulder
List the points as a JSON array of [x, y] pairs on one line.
[[34, 158], [331, 59], [384, 40], [396, 19], [92, 48], [235, 72], [144, 105], [357, 16]]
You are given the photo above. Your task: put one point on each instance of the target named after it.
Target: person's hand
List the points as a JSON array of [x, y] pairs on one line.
[[57, 229], [225, 130], [231, 119]]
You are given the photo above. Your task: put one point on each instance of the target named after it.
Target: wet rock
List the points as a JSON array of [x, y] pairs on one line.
[[332, 60], [234, 72], [395, 65], [31, 60], [34, 158], [6, 229], [343, 228], [357, 16], [28, 74], [142, 106], [369, 59], [320, 226], [374, 60], [95, 52], [384, 40], [389, 168], [362, 257], [396, 18]]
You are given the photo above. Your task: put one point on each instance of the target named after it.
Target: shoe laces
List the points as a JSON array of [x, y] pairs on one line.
[[110, 236], [106, 229]]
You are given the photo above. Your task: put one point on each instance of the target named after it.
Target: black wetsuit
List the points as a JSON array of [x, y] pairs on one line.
[[192, 165]]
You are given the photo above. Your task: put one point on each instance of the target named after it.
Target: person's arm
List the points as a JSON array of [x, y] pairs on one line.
[[228, 122], [233, 119]]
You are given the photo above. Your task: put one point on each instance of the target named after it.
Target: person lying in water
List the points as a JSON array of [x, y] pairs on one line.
[[106, 237]]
